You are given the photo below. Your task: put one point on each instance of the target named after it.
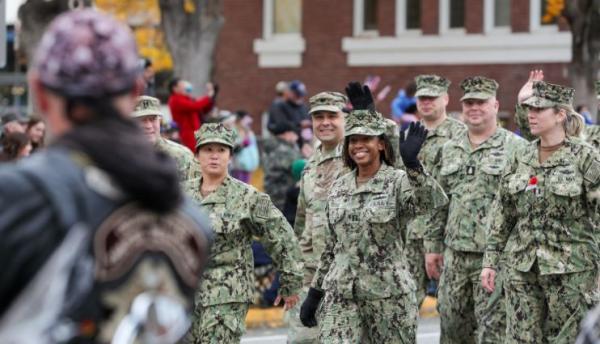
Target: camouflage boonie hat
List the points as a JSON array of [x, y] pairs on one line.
[[431, 85], [547, 95], [364, 122], [597, 89], [478, 87], [215, 133], [327, 101], [146, 106]]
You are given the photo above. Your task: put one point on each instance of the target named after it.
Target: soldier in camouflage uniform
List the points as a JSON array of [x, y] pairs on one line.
[[432, 99], [238, 213], [544, 223], [469, 168], [279, 152], [147, 113], [363, 274], [323, 168]]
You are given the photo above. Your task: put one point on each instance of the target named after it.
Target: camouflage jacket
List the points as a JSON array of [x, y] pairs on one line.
[[278, 156], [364, 255], [319, 174], [548, 213], [187, 166], [592, 135], [470, 178], [433, 144], [238, 213]]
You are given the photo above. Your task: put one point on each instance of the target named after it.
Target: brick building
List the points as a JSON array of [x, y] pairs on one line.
[[326, 43]]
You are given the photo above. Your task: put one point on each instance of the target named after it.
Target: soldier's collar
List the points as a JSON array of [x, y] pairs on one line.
[[219, 195], [374, 185], [562, 157]]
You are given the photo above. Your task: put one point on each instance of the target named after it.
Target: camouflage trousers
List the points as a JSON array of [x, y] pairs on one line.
[[224, 323], [298, 333], [346, 321], [415, 253], [468, 314], [547, 308]]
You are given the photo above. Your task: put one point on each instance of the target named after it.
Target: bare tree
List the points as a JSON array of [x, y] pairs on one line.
[[35, 15], [191, 29], [584, 19]]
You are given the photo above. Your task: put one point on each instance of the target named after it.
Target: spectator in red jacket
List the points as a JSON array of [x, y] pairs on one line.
[[188, 111]]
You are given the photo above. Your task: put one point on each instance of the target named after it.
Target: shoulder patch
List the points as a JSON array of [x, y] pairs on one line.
[[592, 174], [263, 206]]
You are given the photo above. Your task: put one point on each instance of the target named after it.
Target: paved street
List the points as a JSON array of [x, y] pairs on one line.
[[428, 333]]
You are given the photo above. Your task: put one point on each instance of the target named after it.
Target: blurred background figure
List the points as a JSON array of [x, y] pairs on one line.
[[291, 109], [291, 196], [584, 111], [170, 131], [404, 106], [36, 130], [16, 145], [246, 156], [148, 75], [188, 111]]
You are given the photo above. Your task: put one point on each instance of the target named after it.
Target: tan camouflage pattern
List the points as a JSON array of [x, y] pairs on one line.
[[239, 213], [468, 314], [548, 95], [217, 324], [548, 308], [278, 156], [390, 320], [431, 85], [365, 122], [366, 226], [327, 101], [187, 165], [553, 225], [215, 133], [478, 87]]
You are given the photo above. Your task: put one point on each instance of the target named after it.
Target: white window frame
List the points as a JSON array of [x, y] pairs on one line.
[[358, 22], [535, 18], [277, 50], [401, 13], [489, 26], [444, 20]]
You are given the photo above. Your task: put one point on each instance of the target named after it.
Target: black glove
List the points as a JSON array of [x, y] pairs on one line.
[[309, 307], [360, 96], [410, 144]]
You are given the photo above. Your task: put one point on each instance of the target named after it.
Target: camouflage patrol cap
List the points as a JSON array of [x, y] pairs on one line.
[[547, 95], [431, 85], [365, 122], [215, 133], [146, 106], [327, 101], [478, 87]]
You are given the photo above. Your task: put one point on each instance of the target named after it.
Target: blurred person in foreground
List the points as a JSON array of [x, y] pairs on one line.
[[148, 115], [238, 213], [98, 242], [188, 111]]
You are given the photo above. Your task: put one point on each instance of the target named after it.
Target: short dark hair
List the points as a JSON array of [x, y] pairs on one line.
[[388, 152], [173, 83]]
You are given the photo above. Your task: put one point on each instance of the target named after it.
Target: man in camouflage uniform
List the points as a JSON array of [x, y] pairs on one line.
[[432, 99], [279, 152], [544, 226], [322, 169], [469, 168], [147, 113], [238, 213]]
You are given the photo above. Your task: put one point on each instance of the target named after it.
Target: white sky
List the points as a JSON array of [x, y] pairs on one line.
[[11, 9]]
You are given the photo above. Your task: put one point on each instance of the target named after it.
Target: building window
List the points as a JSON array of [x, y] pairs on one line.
[[501, 13], [369, 15], [457, 14], [413, 14], [287, 16]]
